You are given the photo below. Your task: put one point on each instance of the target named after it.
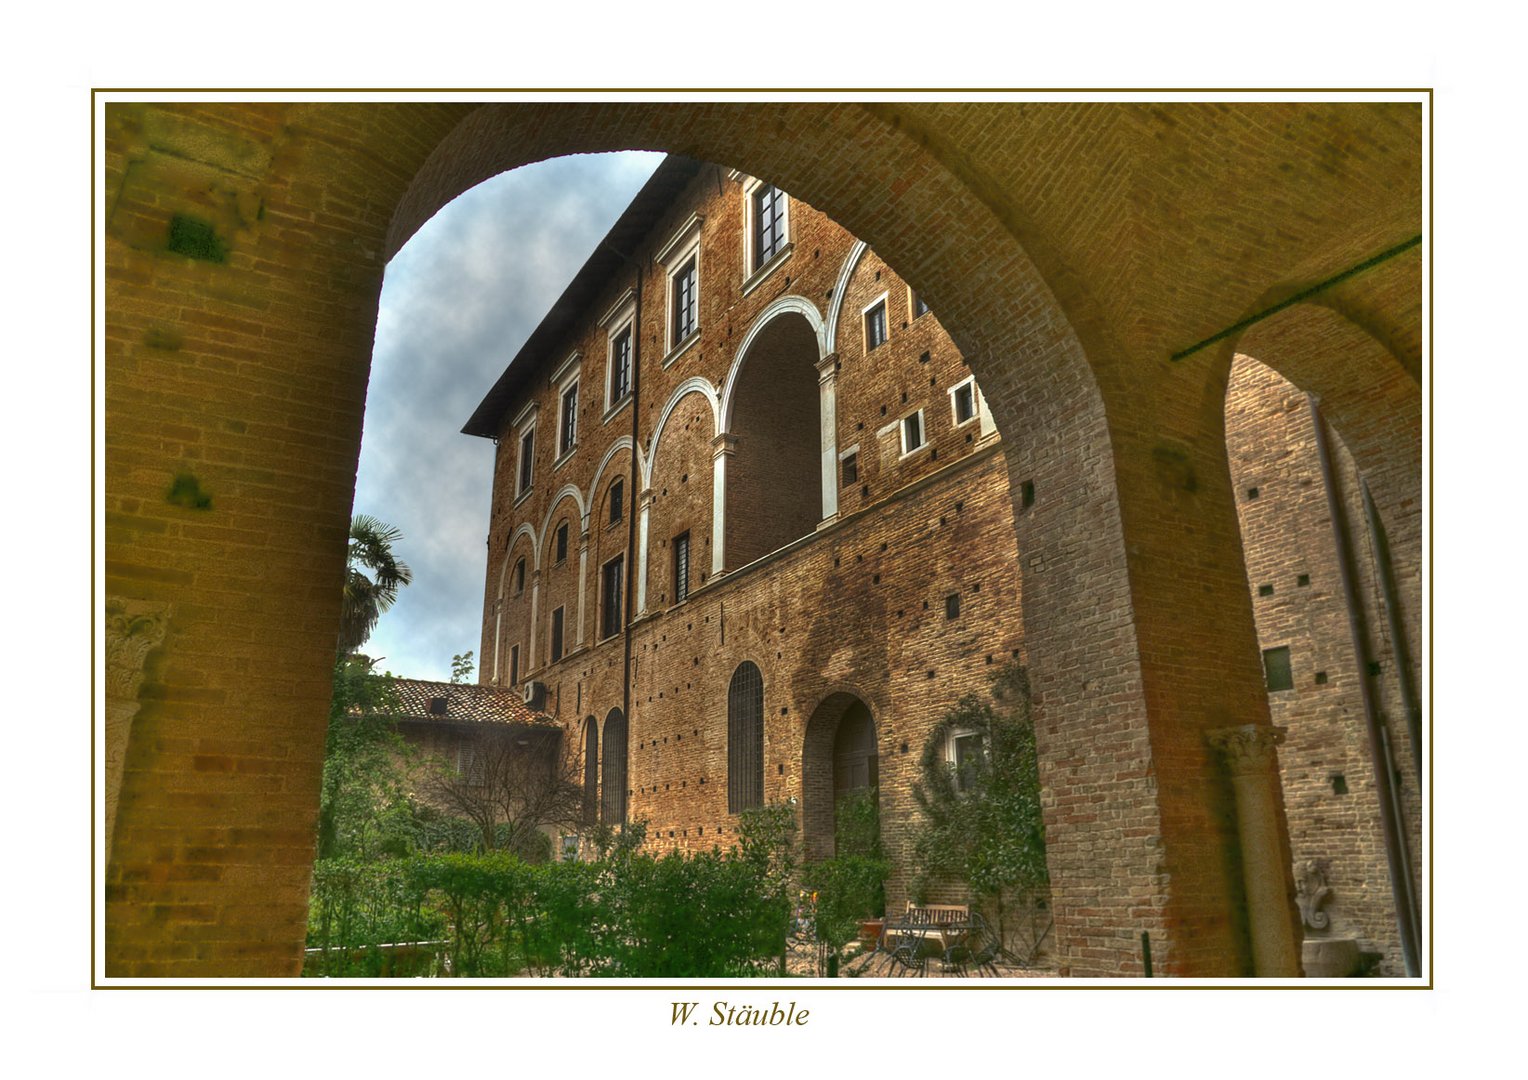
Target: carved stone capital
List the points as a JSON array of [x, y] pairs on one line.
[[1311, 892], [133, 629], [723, 444], [1248, 749], [827, 367], [645, 499]]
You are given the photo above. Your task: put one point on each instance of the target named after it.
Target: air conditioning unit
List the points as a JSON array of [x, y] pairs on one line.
[[535, 695]]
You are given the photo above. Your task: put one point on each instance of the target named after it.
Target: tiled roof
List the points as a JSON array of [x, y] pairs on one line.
[[458, 703]]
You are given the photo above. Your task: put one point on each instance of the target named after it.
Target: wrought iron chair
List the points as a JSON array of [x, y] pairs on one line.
[[978, 947]]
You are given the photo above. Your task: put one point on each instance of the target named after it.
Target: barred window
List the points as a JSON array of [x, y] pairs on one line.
[[768, 223], [562, 542], [617, 500], [745, 738], [611, 585], [527, 457], [613, 773], [681, 567], [557, 634], [686, 310], [514, 665], [850, 466], [964, 399], [519, 577]]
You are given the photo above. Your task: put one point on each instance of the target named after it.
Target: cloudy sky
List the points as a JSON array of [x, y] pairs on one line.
[[457, 303]]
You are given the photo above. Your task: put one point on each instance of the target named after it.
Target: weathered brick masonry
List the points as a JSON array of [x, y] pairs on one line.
[[1069, 251]]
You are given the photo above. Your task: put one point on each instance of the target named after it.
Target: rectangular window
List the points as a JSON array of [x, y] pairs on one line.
[[963, 398], [850, 466], [912, 432], [514, 665], [620, 367], [568, 436], [768, 223], [1277, 669], [919, 307], [681, 567], [875, 326], [527, 457], [519, 577], [557, 635], [617, 500], [966, 754], [562, 542], [612, 583], [686, 305]]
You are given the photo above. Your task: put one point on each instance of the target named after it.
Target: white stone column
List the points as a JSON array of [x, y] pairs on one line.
[[530, 647], [722, 447], [583, 582], [1253, 763], [827, 387], [644, 509]]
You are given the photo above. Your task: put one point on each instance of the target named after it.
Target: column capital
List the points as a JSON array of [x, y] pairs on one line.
[[1248, 749], [645, 500], [827, 367], [723, 444]]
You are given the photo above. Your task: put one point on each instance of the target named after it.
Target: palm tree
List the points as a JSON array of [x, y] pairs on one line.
[[366, 598]]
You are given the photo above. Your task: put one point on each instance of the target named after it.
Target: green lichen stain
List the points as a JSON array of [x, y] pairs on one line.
[[197, 239], [187, 491], [167, 338]]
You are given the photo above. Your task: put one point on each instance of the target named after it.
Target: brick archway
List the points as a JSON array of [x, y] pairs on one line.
[[245, 247]]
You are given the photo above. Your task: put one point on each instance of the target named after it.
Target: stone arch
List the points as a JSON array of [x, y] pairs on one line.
[[1061, 313], [567, 491], [622, 443], [836, 758], [693, 385], [836, 309], [513, 623], [798, 305], [678, 499]]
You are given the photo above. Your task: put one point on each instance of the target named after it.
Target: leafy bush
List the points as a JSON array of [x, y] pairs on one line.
[[851, 886], [984, 826]]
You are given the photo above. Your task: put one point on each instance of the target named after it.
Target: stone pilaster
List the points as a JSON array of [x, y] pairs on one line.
[[722, 447], [134, 628], [827, 385]]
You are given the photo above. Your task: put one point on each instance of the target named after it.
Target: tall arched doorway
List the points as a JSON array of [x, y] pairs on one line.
[[839, 760]]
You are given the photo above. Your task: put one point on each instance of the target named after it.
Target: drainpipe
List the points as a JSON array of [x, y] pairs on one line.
[[1407, 922], [1393, 621]]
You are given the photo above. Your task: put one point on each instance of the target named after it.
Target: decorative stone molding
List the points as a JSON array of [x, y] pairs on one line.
[[1311, 892], [134, 628], [1248, 749]]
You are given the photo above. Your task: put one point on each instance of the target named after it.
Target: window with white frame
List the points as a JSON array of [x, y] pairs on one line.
[[681, 258], [620, 347], [965, 751], [875, 324], [567, 420], [916, 301], [964, 401], [768, 227], [912, 432], [527, 466]]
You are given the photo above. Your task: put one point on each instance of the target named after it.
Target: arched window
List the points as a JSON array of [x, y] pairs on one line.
[[591, 770], [613, 772], [745, 738]]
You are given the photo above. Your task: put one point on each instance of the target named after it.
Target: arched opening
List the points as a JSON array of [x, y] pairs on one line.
[[840, 759], [977, 192], [591, 771], [774, 481], [613, 776], [745, 738]]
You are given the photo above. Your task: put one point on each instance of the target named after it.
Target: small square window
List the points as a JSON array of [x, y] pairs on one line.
[[562, 542], [617, 500], [850, 466], [912, 432], [963, 401], [875, 325], [1277, 669], [557, 635]]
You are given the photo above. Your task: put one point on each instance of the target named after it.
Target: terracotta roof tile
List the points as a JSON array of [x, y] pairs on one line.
[[456, 703]]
